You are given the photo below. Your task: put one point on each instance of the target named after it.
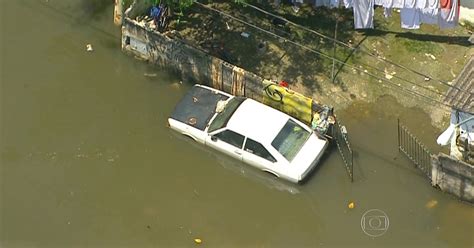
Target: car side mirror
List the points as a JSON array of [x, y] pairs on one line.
[[214, 138]]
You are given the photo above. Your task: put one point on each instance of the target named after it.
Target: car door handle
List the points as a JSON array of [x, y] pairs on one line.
[[238, 152]]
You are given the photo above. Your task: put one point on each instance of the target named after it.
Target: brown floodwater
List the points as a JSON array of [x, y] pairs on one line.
[[87, 160]]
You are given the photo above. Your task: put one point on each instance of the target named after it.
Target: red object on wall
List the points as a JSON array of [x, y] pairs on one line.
[[283, 83]]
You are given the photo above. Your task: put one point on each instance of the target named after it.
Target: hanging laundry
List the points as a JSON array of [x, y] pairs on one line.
[[334, 3], [363, 14], [421, 4], [347, 3], [432, 4], [448, 13], [409, 4], [429, 16], [397, 4], [410, 18], [387, 12], [379, 2], [445, 4], [319, 3]]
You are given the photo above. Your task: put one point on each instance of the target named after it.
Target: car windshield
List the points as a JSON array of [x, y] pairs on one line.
[[223, 117], [290, 139]]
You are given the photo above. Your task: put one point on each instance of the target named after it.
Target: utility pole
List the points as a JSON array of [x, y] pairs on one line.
[[118, 12]]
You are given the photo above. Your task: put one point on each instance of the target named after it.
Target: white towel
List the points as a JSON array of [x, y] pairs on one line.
[[432, 4], [334, 3], [421, 4], [429, 16], [409, 4], [348, 3], [410, 18], [398, 4], [363, 14]]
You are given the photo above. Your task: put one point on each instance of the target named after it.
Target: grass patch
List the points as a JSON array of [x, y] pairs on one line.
[[417, 46]]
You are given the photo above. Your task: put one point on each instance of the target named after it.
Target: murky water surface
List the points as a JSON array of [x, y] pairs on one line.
[[87, 161]]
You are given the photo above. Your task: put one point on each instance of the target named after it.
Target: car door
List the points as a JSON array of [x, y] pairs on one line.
[[228, 142], [256, 154]]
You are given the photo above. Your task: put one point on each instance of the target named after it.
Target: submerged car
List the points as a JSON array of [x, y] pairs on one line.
[[247, 130]]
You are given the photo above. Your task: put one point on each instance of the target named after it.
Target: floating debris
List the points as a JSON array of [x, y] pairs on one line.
[[431, 204], [150, 74], [197, 241], [89, 48], [351, 205]]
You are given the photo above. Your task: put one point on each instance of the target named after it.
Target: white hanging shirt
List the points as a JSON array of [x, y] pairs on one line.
[[348, 3], [363, 14], [409, 4], [429, 16], [410, 18]]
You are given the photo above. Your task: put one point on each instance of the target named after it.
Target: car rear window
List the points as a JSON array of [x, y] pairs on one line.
[[290, 139], [223, 117]]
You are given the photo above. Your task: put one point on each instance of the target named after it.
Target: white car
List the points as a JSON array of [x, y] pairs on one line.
[[249, 131]]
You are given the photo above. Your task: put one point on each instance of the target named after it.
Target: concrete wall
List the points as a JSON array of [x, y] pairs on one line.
[[453, 176], [192, 63]]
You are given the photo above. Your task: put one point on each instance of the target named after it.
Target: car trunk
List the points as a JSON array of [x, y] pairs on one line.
[[197, 107]]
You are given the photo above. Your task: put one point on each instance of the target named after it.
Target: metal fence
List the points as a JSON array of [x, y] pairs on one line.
[[344, 147], [409, 145]]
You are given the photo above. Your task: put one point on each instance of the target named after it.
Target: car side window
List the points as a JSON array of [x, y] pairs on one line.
[[231, 137], [258, 149]]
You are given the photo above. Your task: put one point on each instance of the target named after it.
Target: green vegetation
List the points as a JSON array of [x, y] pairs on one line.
[[417, 46]]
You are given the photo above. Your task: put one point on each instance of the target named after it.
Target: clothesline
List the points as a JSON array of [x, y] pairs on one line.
[[413, 13]]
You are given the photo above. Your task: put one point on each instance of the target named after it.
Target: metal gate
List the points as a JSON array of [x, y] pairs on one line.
[[409, 145], [344, 147]]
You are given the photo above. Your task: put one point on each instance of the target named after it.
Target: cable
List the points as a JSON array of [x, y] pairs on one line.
[[322, 54], [402, 79], [352, 48]]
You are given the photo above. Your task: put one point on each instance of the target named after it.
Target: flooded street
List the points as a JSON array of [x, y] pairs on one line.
[[87, 159]]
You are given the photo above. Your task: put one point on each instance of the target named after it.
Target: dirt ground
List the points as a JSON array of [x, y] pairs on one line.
[[282, 51]]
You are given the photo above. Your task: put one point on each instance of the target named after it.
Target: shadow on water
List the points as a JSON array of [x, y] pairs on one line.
[[93, 8], [83, 13]]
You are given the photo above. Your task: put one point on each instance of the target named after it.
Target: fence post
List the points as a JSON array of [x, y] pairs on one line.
[[414, 150], [352, 166], [398, 129]]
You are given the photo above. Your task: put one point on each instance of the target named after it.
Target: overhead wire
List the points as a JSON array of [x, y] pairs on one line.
[[354, 48], [400, 78], [324, 55]]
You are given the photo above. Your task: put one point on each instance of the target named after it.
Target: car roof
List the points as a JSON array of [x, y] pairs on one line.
[[257, 121]]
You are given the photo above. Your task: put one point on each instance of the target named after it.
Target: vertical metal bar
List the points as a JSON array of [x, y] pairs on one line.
[[417, 154], [402, 138], [405, 139], [423, 155], [405, 143], [409, 145], [398, 133], [333, 76], [352, 166]]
